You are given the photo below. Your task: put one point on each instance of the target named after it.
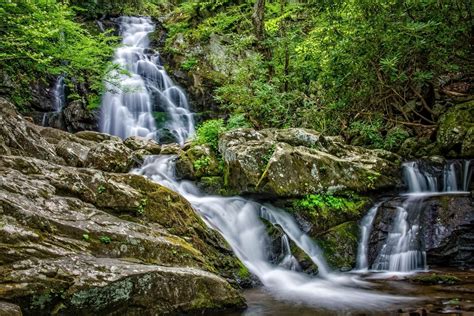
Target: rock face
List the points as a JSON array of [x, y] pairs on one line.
[[456, 131], [77, 239], [296, 162], [446, 228]]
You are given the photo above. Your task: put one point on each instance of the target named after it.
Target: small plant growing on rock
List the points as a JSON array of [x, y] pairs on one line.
[[105, 240], [101, 189], [86, 237], [141, 206], [202, 163]]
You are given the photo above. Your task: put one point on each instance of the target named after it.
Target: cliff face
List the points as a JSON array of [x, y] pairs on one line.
[[78, 235]]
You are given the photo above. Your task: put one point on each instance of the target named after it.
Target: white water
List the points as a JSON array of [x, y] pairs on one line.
[[144, 88], [365, 230], [404, 250]]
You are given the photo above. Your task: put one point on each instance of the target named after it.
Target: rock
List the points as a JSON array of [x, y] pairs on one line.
[[96, 136], [78, 118], [85, 241], [296, 162], [170, 149], [196, 162], [455, 132], [446, 228], [137, 143], [20, 137], [110, 156], [8, 309]]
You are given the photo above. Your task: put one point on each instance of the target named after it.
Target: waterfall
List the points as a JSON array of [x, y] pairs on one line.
[[239, 221], [455, 177], [289, 261], [58, 94], [403, 249], [144, 89], [365, 230]]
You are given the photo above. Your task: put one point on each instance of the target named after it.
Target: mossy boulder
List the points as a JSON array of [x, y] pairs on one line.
[[295, 162], [75, 239], [196, 162], [456, 131], [141, 143]]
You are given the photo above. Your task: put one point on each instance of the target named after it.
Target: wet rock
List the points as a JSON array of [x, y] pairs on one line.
[[85, 241], [296, 162], [196, 162], [456, 131], [110, 156], [137, 143], [170, 149], [78, 118]]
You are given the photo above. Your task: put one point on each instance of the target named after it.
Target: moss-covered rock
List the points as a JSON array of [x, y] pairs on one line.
[[296, 162], [455, 132], [86, 241]]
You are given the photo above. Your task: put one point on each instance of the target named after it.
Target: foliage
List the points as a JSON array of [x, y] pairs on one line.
[[105, 240], [201, 163], [341, 67], [141, 206], [323, 205], [208, 132], [40, 39]]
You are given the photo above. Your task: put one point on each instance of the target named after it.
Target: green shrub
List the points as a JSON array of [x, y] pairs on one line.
[[209, 131]]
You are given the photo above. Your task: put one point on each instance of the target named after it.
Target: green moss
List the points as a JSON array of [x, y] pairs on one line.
[[435, 279]]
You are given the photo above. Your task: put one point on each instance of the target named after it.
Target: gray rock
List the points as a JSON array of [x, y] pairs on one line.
[[296, 162]]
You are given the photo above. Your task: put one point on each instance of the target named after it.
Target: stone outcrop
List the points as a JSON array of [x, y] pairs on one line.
[[296, 162], [455, 135], [76, 238]]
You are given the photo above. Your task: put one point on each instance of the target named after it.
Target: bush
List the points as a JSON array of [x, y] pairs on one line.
[[209, 131]]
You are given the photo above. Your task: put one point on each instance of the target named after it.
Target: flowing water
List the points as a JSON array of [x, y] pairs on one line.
[[145, 90], [140, 88], [404, 250], [59, 94]]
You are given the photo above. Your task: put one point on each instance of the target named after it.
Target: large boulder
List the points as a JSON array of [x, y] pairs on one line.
[[456, 131], [296, 162], [78, 240], [78, 118]]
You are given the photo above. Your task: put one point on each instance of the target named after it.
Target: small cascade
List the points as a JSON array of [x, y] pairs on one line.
[[59, 94], [365, 230], [289, 261], [403, 249], [454, 177], [303, 241], [145, 89]]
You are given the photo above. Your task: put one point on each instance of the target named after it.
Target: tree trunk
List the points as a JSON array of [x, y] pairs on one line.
[[257, 19]]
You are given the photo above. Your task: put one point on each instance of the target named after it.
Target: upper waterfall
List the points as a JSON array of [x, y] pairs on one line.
[[145, 88]]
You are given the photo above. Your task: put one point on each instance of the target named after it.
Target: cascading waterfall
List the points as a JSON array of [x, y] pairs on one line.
[[238, 220], [128, 108], [365, 230], [289, 261], [403, 250]]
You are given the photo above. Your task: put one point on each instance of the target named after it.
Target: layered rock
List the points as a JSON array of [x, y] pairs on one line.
[[296, 162], [78, 239], [455, 135]]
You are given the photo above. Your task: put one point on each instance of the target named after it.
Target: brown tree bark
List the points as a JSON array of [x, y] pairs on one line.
[[258, 19]]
